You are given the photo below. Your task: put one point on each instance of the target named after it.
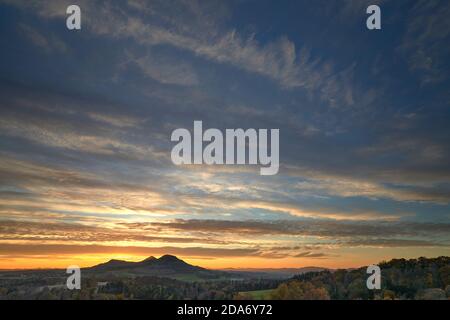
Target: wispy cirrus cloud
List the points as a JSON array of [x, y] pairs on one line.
[[278, 60], [48, 43], [163, 69], [426, 40]]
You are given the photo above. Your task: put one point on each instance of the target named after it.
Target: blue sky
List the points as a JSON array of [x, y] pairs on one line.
[[86, 118]]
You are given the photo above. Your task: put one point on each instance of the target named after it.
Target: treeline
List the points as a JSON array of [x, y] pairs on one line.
[[400, 279], [145, 288]]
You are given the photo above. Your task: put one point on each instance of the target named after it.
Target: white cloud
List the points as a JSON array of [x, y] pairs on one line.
[[164, 69], [48, 43]]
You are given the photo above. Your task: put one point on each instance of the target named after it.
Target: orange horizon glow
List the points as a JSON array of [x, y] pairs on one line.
[[62, 262]]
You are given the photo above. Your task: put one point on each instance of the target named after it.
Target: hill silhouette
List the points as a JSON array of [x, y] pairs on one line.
[[166, 265], [172, 266]]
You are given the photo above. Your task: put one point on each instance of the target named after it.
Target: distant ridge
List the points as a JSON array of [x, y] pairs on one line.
[[279, 273], [295, 270]]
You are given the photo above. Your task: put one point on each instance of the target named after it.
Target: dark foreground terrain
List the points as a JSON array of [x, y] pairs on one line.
[[171, 278]]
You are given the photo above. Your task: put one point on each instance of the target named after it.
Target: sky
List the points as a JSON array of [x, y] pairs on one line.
[[86, 118]]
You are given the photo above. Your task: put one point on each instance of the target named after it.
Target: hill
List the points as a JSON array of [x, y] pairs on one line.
[[165, 266]]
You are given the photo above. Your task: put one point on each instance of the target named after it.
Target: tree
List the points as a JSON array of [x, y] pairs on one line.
[[299, 290], [242, 296], [444, 273], [447, 291], [358, 290], [388, 295], [431, 294]]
